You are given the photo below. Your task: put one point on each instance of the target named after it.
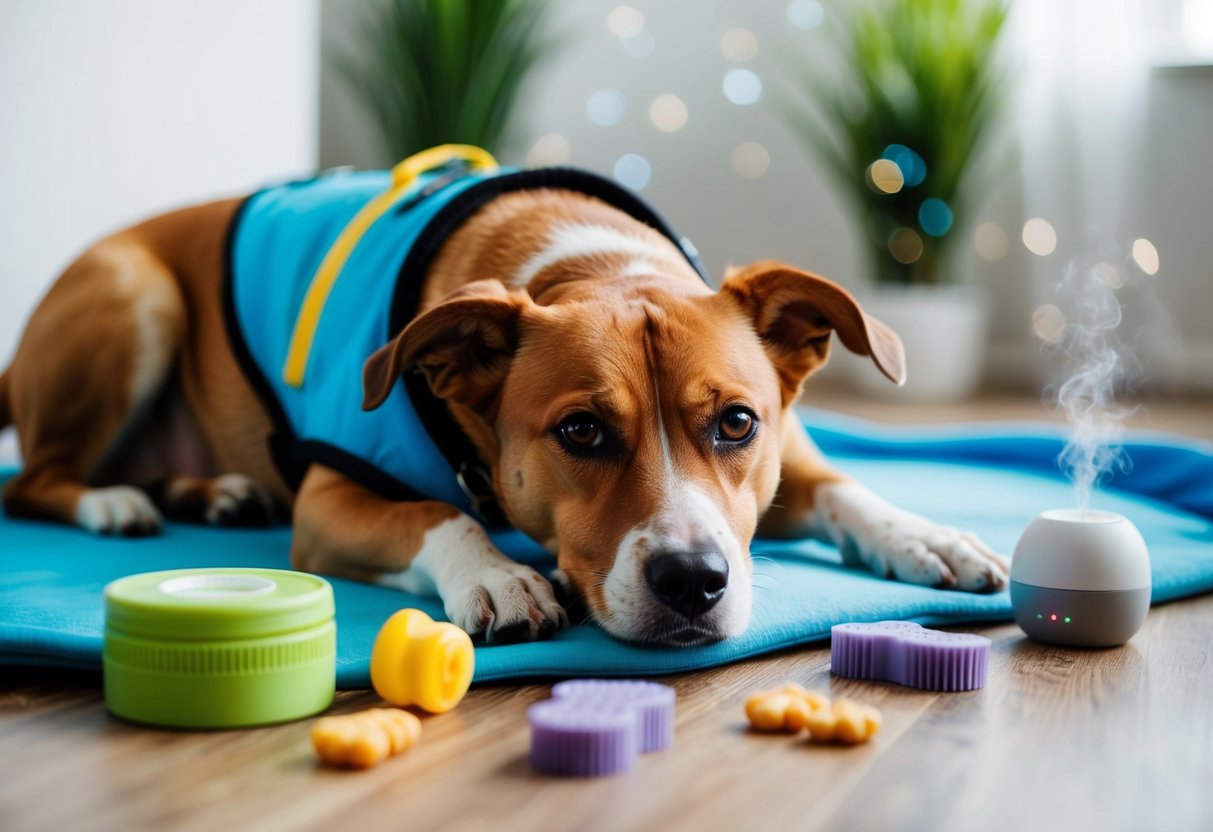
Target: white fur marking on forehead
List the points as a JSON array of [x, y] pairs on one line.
[[670, 478], [635, 268], [566, 242]]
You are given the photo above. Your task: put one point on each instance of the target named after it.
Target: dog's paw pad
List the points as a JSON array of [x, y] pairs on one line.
[[119, 509], [923, 553], [236, 500], [229, 500], [509, 605], [513, 633]]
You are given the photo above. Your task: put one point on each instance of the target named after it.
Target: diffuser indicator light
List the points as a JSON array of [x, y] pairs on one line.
[[1067, 619], [1039, 616], [1053, 617]]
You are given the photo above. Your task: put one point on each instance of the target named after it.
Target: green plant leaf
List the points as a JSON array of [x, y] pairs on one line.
[[920, 73], [436, 71]]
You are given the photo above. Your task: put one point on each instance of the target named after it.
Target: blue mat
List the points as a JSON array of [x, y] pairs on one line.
[[990, 479]]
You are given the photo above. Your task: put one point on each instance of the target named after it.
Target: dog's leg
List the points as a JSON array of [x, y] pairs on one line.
[[815, 500], [93, 358], [343, 529], [227, 500]]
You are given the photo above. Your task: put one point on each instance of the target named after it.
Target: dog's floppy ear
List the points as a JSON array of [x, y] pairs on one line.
[[794, 312], [464, 346]]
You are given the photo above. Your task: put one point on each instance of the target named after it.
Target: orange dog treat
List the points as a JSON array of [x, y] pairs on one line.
[[419, 661], [784, 709], [366, 738], [847, 722]]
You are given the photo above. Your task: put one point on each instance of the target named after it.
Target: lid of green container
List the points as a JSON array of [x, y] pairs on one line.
[[217, 603]]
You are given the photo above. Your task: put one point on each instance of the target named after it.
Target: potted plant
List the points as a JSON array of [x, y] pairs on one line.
[[899, 114], [436, 71]]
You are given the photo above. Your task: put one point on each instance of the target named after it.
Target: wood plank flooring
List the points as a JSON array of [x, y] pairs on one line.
[[1060, 739]]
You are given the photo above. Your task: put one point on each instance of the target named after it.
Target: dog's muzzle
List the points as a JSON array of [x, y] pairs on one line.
[[689, 583]]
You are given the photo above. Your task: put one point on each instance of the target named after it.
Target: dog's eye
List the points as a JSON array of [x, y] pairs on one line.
[[737, 424], [581, 431]]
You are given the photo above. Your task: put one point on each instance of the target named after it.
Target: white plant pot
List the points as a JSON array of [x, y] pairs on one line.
[[944, 330]]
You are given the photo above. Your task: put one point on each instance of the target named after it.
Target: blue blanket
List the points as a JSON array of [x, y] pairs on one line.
[[990, 479]]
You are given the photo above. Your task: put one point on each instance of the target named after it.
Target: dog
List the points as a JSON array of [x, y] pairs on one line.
[[571, 371]]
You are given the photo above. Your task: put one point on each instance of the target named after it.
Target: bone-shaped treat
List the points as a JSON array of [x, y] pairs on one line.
[[908, 654], [365, 738], [596, 727]]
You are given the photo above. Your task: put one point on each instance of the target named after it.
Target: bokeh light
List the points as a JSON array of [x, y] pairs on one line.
[[552, 149], [633, 171], [668, 113], [913, 168], [739, 45], [885, 177], [1039, 236], [905, 245], [1145, 255], [1049, 323], [606, 107], [639, 45], [751, 160], [805, 14], [990, 241], [1109, 274], [625, 21], [742, 86], [935, 216]]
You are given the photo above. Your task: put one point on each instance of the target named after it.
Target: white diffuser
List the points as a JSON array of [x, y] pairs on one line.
[[1081, 578]]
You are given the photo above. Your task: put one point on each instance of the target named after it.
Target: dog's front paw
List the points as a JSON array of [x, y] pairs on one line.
[[117, 509], [506, 604], [915, 550], [898, 544]]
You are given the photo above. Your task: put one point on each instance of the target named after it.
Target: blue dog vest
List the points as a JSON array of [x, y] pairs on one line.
[[277, 242]]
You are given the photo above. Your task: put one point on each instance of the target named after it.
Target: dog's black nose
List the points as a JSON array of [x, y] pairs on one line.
[[688, 582]]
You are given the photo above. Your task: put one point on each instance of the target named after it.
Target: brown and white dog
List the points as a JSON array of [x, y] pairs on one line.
[[637, 424]]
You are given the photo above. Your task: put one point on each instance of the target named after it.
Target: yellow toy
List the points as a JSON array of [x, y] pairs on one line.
[[419, 661], [366, 738]]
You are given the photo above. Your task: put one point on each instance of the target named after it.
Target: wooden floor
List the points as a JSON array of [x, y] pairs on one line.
[[1060, 739]]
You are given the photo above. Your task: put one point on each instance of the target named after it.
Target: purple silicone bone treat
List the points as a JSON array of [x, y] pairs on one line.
[[570, 739], [654, 702], [905, 653], [596, 727]]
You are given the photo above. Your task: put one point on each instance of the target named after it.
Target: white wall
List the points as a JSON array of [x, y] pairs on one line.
[[113, 111]]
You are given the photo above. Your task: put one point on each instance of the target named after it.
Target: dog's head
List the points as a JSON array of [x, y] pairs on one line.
[[637, 434]]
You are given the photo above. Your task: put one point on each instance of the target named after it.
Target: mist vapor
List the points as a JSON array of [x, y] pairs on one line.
[[1093, 364]]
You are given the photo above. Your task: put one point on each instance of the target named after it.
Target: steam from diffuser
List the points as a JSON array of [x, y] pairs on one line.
[[1093, 364]]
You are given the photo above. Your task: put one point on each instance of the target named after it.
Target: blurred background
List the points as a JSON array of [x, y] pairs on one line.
[[952, 163]]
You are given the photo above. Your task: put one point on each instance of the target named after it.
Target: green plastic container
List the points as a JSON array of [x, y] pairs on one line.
[[219, 648]]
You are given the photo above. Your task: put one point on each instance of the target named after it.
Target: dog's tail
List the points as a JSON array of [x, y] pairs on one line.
[[6, 410]]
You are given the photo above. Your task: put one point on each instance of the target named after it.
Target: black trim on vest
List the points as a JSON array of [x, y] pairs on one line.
[[290, 456], [435, 415], [357, 469]]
